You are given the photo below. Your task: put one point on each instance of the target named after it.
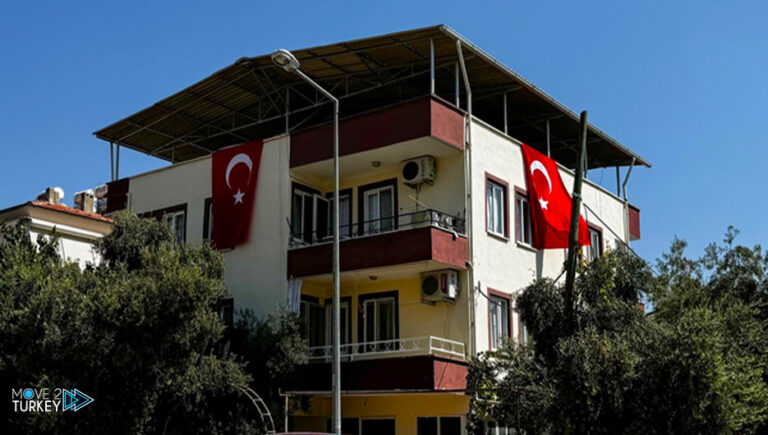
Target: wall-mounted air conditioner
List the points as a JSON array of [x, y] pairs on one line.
[[419, 171], [440, 285]]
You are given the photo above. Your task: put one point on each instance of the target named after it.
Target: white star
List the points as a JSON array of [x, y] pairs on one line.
[[238, 196], [543, 203]]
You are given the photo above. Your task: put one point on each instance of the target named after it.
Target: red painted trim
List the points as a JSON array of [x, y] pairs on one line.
[[508, 297], [634, 221], [505, 185], [420, 117], [388, 249]]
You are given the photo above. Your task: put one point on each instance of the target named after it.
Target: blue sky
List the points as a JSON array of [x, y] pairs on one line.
[[681, 83]]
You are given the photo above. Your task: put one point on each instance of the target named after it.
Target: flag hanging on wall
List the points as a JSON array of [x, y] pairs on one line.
[[550, 202], [234, 174]]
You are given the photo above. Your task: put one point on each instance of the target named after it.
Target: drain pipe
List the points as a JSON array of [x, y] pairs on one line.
[[468, 204], [626, 202]]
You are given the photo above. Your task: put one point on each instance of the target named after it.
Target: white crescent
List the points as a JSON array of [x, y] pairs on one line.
[[237, 159], [538, 166]]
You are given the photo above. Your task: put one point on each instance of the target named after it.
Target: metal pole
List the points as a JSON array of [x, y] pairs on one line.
[[549, 147], [336, 363], [456, 74], [573, 238], [506, 130], [431, 66], [111, 161], [618, 182], [117, 162]]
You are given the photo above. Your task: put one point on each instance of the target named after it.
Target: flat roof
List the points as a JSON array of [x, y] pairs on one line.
[[249, 99]]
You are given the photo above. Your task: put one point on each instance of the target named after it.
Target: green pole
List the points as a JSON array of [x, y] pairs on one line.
[[573, 238]]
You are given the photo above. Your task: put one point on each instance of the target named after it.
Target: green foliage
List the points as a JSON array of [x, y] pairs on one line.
[[696, 365], [139, 333]]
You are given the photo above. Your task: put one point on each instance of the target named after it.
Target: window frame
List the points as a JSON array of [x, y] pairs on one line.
[[363, 299], [520, 196], [491, 179], [159, 215], [304, 191], [594, 229], [510, 330], [361, 204], [342, 193], [345, 300], [312, 301], [208, 219]]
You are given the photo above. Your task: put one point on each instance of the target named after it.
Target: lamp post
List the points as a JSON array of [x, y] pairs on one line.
[[286, 60]]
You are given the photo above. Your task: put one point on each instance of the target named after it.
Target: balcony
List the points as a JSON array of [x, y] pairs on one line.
[[424, 235], [391, 348]]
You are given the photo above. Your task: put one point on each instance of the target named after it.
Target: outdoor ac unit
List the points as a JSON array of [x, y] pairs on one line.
[[440, 285], [419, 170]]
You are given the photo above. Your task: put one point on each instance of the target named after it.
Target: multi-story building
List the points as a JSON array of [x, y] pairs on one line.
[[433, 199]]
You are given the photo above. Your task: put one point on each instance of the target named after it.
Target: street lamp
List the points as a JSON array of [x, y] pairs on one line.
[[286, 60]]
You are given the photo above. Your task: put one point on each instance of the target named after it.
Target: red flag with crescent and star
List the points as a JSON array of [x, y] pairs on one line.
[[550, 203], [234, 174]]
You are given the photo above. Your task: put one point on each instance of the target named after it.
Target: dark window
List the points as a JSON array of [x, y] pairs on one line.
[[312, 316], [595, 243], [345, 211], [346, 333], [378, 426], [377, 207], [500, 325], [438, 426], [349, 426], [523, 227], [378, 321], [309, 215], [207, 219]]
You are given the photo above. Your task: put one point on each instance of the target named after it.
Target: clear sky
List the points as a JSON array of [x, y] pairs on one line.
[[684, 84]]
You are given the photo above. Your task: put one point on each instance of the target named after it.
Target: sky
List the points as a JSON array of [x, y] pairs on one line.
[[682, 84]]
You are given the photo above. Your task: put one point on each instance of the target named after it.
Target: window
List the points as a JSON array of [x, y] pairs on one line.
[[207, 219], [345, 213], [175, 221], [378, 320], [496, 206], [346, 336], [309, 215], [438, 426], [377, 426], [523, 226], [499, 320], [312, 316], [595, 243], [349, 426], [379, 210], [493, 428]]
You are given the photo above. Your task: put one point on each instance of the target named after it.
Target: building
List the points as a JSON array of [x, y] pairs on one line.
[[433, 197], [78, 228]]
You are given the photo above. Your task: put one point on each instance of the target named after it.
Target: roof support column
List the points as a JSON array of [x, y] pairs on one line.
[[549, 146], [117, 162], [431, 66], [456, 91], [111, 161], [287, 107], [506, 121]]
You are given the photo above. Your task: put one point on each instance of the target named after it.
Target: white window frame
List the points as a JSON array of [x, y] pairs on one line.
[[375, 226], [345, 231], [496, 305], [594, 245], [344, 305], [377, 331], [523, 224], [495, 191], [169, 219]]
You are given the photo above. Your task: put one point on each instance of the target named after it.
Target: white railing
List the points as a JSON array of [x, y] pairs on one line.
[[388, 348]]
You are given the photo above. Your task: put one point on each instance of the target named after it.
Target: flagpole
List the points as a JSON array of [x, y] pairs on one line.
[[573, 237]]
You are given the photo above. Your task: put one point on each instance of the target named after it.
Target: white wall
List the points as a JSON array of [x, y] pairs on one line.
[[256, 271], [504, 265]]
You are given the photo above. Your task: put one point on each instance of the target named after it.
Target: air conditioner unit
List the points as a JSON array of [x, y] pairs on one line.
[[440, 285], [419, 170]]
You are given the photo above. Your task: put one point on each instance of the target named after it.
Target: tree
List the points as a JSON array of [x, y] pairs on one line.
[[139, 333], [696, 365]]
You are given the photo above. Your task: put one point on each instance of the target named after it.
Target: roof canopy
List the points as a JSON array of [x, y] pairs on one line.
[[253, 99]]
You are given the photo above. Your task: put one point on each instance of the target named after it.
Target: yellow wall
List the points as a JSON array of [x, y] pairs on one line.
[[405, 408], [444, 320]]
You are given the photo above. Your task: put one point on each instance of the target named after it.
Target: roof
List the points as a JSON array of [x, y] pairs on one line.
[[249, 99], [60, 208]]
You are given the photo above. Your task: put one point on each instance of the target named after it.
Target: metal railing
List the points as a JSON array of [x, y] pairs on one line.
[[428, 345], [404, 221]]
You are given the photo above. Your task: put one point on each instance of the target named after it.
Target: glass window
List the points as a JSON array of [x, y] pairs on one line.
[[595, 243], [312, 316], [345, 211], [379, 323], [438, 426], [499, 308], [378, 426], [379, 210], [523, 227], [175, 222], [345, 322], [495, 198]]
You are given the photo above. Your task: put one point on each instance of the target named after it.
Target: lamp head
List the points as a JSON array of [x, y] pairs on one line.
[[286, 60]]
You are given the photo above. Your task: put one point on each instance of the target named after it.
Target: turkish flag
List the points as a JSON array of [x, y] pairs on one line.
[[550, 202], [234, 174]]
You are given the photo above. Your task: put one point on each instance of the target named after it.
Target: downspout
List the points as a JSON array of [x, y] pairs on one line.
[[626, 202], [468, 205]]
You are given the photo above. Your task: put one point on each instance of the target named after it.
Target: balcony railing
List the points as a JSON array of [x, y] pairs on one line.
[[391, 348], [404, 221]]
